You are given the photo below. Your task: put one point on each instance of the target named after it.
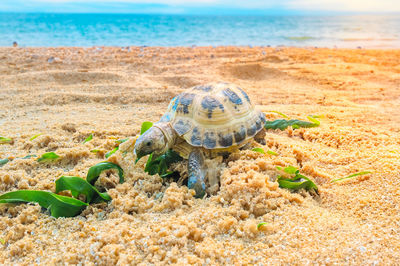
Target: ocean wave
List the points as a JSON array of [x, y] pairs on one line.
[[123, 30], [300, 38], [367, 39]]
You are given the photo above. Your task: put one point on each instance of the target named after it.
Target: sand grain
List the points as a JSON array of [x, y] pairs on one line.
[[111, 91]]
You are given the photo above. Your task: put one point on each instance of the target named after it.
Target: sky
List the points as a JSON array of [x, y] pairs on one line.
[[203, 6]]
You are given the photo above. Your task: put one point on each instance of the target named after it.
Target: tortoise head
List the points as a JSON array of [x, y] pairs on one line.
[[153, 140]]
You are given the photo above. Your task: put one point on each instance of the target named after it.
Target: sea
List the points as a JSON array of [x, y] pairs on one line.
[[87, 30]]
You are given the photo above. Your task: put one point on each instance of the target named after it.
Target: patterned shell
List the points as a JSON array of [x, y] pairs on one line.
[[214, 116]]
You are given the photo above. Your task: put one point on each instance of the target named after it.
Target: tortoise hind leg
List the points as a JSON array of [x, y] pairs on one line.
[[197, 173], [260, 137]]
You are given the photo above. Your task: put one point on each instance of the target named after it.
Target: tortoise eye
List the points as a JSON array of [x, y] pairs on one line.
[[148, 144]]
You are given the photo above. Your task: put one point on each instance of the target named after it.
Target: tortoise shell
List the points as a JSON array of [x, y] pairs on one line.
[[214, 116]]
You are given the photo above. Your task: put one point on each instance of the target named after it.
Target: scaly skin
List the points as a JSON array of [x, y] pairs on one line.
[[197, 173], [158, 139]]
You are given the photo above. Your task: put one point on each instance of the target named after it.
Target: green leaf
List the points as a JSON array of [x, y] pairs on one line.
[[29, 156], [260, 150], [352, 175], [88, 138], [95, 171], [119, 141], [161, 164], [95, 150], [3, 161], [279, 113], [48, 157], [272, 153], [167, 174], [148, 163], [145, 126], [291, 170], [79, 186], [312, 119], [282, 124], [35, 136], [297, 182], [2, 241], [59, 206], [138, 158], [108, 154], [4, 140], [260, 225], [317, 116]]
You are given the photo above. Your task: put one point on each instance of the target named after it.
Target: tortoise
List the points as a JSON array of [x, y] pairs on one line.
[[205, 121]]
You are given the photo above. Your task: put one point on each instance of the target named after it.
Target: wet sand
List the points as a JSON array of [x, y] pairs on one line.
[[68, 93]]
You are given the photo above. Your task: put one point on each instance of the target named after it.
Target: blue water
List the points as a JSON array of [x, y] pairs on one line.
[[179, 30]]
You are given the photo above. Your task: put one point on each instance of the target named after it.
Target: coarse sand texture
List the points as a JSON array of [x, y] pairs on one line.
[[109, 92]]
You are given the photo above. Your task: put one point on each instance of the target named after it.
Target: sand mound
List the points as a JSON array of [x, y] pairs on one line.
[[64, 78], [179, 81], [251, 72]]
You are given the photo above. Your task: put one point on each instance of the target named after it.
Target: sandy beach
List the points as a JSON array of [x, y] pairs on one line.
[[65, 94]]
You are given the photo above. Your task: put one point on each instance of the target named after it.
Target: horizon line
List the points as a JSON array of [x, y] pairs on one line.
[[235, 12]]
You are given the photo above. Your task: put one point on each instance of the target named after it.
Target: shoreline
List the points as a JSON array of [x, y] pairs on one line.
[[206, 47]]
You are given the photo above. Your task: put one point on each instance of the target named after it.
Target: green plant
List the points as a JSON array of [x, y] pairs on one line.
[[272, 153], [62, 206], [95, 171], [59, 206], [29, 156], [298, 181], [161, 164], [89, 138], [48, 157], [108, 154], [79, 186], [119, 141], [3, 161], [35, 136], [282, 124], [260, 150], [261, 225], [145, 126], [4, 140], [279, 113], [351, 176]]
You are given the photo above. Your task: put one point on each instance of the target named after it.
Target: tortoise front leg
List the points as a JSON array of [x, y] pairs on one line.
[[197, 173]]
